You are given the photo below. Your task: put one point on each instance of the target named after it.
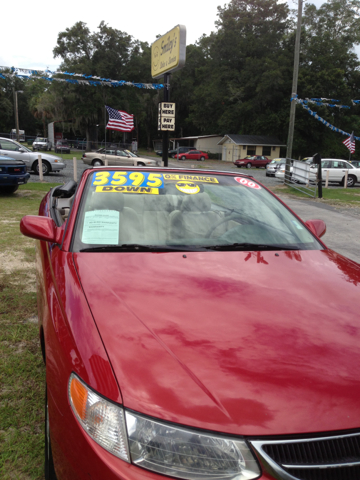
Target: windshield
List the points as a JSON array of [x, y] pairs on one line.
[[40, 139], [20, 145], [134, 209]]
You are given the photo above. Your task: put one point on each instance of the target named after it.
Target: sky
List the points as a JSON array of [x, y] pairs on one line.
[[29, 36]]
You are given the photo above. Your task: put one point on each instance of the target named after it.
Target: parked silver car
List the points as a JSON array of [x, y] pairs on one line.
[[41, 143], [273, 166], [116, 157], [50, 163]]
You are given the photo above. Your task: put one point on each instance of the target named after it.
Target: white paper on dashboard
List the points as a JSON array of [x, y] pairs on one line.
[[101, 227]]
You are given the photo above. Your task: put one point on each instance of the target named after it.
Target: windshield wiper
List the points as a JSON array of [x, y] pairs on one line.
[[250, 246], [136, 247]]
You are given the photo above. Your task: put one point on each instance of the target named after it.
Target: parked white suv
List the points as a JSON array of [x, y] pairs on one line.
[[50, 163], [337, 169], [41, 143]]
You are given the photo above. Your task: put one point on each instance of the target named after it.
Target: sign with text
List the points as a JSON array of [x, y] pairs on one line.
[[166, 119], [167, 109], [168, 53]]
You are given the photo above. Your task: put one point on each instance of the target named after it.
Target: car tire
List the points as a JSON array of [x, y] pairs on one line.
[[141, 164], [202, 159], [45, 166], [350, 181], [183, 158], [8, 189], [248, 165], [97, 163], [49, 468], [238, 166]]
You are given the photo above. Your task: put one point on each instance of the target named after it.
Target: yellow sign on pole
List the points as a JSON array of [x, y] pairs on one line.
[[168, 53]]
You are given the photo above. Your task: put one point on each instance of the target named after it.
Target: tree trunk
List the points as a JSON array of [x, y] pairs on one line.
[[88, 139]]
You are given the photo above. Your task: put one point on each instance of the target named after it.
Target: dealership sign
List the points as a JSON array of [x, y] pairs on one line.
[[168, 53], [166, 119]]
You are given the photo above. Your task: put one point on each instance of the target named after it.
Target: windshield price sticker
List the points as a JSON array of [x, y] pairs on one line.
[[247, 183], [128, 189], [192, 178], [124, 179]]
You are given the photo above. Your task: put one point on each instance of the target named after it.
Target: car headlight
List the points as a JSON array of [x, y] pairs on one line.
[[160, 447], [188, 454], [101, 419]]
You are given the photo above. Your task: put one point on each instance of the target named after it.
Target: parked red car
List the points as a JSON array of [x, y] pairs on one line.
[[192, 155], [193, 327], [254, 161]]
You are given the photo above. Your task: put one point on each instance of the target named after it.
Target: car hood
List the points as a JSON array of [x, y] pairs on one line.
[[247, 343]]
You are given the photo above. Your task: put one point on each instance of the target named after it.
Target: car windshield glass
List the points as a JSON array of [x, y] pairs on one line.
[[158, 209], [39, 139], [20, 145]]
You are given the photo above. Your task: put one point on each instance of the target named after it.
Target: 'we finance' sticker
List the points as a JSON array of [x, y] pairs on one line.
[[247, 183]]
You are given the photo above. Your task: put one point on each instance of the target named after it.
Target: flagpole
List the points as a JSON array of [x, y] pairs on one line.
[[105, 128]]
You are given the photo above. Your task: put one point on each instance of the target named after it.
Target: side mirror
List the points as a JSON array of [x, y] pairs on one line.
[[40, 228], [318, 227], [21, 150]]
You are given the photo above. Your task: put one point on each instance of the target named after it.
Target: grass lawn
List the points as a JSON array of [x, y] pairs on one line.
[[332, 196], [22, 372]]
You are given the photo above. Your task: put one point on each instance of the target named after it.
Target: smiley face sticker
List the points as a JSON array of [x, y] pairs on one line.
[[188, 187]]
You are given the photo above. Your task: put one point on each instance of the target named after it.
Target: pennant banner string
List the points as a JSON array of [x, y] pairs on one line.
[[86, 79], [317, 117]]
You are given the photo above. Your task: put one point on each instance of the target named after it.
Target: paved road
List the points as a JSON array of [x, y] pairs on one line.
[[343, 225]]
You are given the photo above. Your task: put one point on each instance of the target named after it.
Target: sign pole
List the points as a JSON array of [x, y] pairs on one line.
[[165, 153]]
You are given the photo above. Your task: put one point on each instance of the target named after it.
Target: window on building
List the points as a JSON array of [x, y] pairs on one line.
[[251, 150], [266, 151]]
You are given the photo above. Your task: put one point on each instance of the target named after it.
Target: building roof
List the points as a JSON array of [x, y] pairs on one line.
[[260, 140], [195, 137]]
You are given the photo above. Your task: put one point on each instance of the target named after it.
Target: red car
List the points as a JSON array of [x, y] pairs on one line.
[[254, 161], [193, 327], [192, 155]]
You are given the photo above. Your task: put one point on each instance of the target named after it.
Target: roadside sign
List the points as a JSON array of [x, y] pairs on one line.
[[166, 118], [168, 53]]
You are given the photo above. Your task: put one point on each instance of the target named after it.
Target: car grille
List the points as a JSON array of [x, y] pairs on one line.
[[327, 458], [16, 170]]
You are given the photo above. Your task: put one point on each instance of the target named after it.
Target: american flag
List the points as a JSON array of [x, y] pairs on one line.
[[119, 120], [350, 143]]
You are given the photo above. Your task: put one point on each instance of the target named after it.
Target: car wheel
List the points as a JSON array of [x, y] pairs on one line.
[[97, 163], [350, 181], [202, 158], [49, 469], [45, 167], [141, 164], [8, 189], [238, 166], [248, 165], [183, 158]]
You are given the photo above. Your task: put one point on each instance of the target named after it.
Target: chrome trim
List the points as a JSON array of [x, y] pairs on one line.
[[323, 465], [276, 469]]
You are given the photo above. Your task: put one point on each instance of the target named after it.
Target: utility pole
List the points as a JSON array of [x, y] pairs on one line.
[[294, 90], [165, 153], [16, 112]]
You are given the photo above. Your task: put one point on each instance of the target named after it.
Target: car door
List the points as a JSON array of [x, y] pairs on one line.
[[122, 158], [193, 154], [263, 161], [14, 150], [337, 170]]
